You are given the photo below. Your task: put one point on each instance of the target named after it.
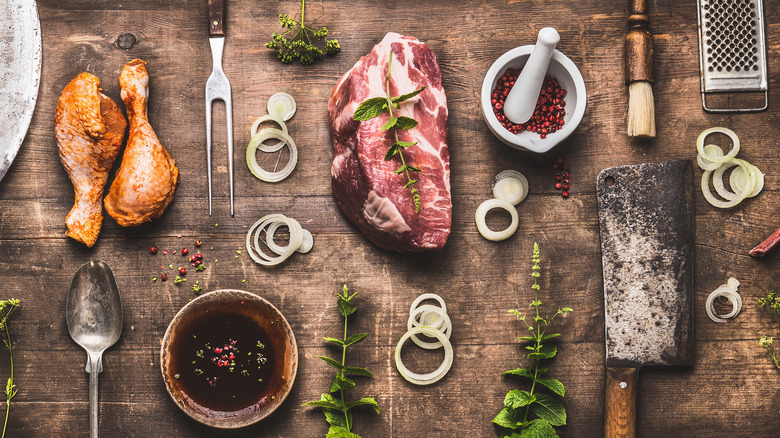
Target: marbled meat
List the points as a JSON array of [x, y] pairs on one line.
[[365, 186]]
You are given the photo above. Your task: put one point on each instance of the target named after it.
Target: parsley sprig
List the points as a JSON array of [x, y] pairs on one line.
[[770, 302], [337, 409], [298, 41], [514, 419], [378, 105], [7, 307]]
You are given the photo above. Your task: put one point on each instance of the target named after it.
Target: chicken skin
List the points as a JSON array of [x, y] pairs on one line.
[[147, 178], [89, 128]]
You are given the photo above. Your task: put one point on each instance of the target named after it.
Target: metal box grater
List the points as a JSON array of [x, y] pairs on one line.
[[732, 50]]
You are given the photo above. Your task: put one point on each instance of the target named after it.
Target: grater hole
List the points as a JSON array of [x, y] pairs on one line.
[[730, 31]]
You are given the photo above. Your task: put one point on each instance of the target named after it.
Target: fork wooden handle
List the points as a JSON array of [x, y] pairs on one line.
[[217, 18]]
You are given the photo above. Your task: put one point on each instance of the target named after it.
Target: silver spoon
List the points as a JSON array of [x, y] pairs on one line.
[[94, 315]]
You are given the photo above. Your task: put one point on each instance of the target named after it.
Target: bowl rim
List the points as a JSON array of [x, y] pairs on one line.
[[165, 342], [516, 141]]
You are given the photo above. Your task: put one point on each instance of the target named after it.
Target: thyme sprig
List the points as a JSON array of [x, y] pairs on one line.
[[298, 41], [375, 106], [336, 409], [7, 307], [770, 302], [514, 419]]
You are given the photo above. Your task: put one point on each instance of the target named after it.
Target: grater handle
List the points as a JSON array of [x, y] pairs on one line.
[[639, 44]]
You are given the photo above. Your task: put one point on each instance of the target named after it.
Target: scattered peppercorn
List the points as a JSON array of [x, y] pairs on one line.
[[185, 251], [153, 250], [164, 276], [182, 271], [198, 243]]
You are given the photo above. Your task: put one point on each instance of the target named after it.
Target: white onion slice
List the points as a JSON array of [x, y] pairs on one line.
[[308, 242], [281, 105], [739, 179], [251, 159], [510, 186], [273, 220], [434, 376], [413, 321], [268, 147], [728, 291], [705, 189], [717, 179], [486, 232], [732, 153], [427, 296], [269, 235], [710, 151]]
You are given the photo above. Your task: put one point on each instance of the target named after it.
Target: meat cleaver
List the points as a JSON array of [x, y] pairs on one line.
[[646, 227]]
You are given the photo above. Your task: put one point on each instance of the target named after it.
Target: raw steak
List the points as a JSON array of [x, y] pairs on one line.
[[366, 189]]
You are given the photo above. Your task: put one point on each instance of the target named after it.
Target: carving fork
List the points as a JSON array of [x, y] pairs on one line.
[[218, 88]]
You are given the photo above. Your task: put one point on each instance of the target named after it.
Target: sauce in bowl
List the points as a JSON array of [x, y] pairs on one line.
[[229, 358]]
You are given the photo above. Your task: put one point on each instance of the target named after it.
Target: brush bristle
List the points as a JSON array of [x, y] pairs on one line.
[[641, 110]]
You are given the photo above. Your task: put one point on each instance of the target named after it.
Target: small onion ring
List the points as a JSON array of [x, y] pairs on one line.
[[269, 235], [432, 377], [717, 179], [732, 153], [307, 244], [705, 189], [261, 258], [281, 105], [729, 291], [739, 179], [251, 159], [485, 231], [427, 296], [446, 330], [704, 161], [268, 118], [510, 186]]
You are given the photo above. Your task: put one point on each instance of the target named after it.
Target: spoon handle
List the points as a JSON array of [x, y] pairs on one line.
[[93, 401]]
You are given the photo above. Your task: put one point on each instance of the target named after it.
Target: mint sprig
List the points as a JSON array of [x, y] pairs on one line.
[[337, 409], [376, 106], [299, 40], [520, 406]]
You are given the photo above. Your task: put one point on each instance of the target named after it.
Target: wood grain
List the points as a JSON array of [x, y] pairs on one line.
[[730, 391]]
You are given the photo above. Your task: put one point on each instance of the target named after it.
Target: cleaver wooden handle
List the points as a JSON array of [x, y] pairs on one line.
[[216, 18], [620, 403]]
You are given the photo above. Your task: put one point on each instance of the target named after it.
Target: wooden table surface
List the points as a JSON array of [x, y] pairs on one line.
[[732, 390]]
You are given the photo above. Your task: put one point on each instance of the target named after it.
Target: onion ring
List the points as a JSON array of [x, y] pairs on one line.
[[428, 296], [446, 330], [717, 179], [251, 159], [704, 161], [268, 147], [432, 377], [485, 231], [281, 105], [732, 153], [510, 186], [729, 291], [284, 252], [739, 179]]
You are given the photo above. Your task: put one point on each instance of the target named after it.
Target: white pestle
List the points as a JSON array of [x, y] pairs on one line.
[[521, 101]]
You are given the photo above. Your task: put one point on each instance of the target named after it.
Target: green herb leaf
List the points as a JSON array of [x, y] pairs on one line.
[[340, 432], [392, 121], [412, 168], [553, 384], [370, 108], [400, 169], [393, 151], [539, 429], [549, 336], [334, 417], [364, 401], [341, 383], [355, 339], [345, 308], [509, 418], [549, 409], [407, 96], [517, 399], [335, 341], [334, 363], [357, 371], [326, 401], [519, 372], [405, 144], [547, 351], [405, 123]]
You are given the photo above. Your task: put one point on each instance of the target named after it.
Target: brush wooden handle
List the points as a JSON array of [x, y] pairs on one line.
[[620, 403], [639, 44]]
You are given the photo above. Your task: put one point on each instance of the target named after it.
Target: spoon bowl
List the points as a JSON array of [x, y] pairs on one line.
[[94, 317]]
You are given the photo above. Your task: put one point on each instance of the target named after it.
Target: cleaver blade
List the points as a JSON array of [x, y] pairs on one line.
[[647, 231]]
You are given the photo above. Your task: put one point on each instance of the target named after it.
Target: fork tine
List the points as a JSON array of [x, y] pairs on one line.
[[229, 117], [208, 146]]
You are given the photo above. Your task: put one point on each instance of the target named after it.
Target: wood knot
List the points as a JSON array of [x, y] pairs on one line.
[[125, 41]]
